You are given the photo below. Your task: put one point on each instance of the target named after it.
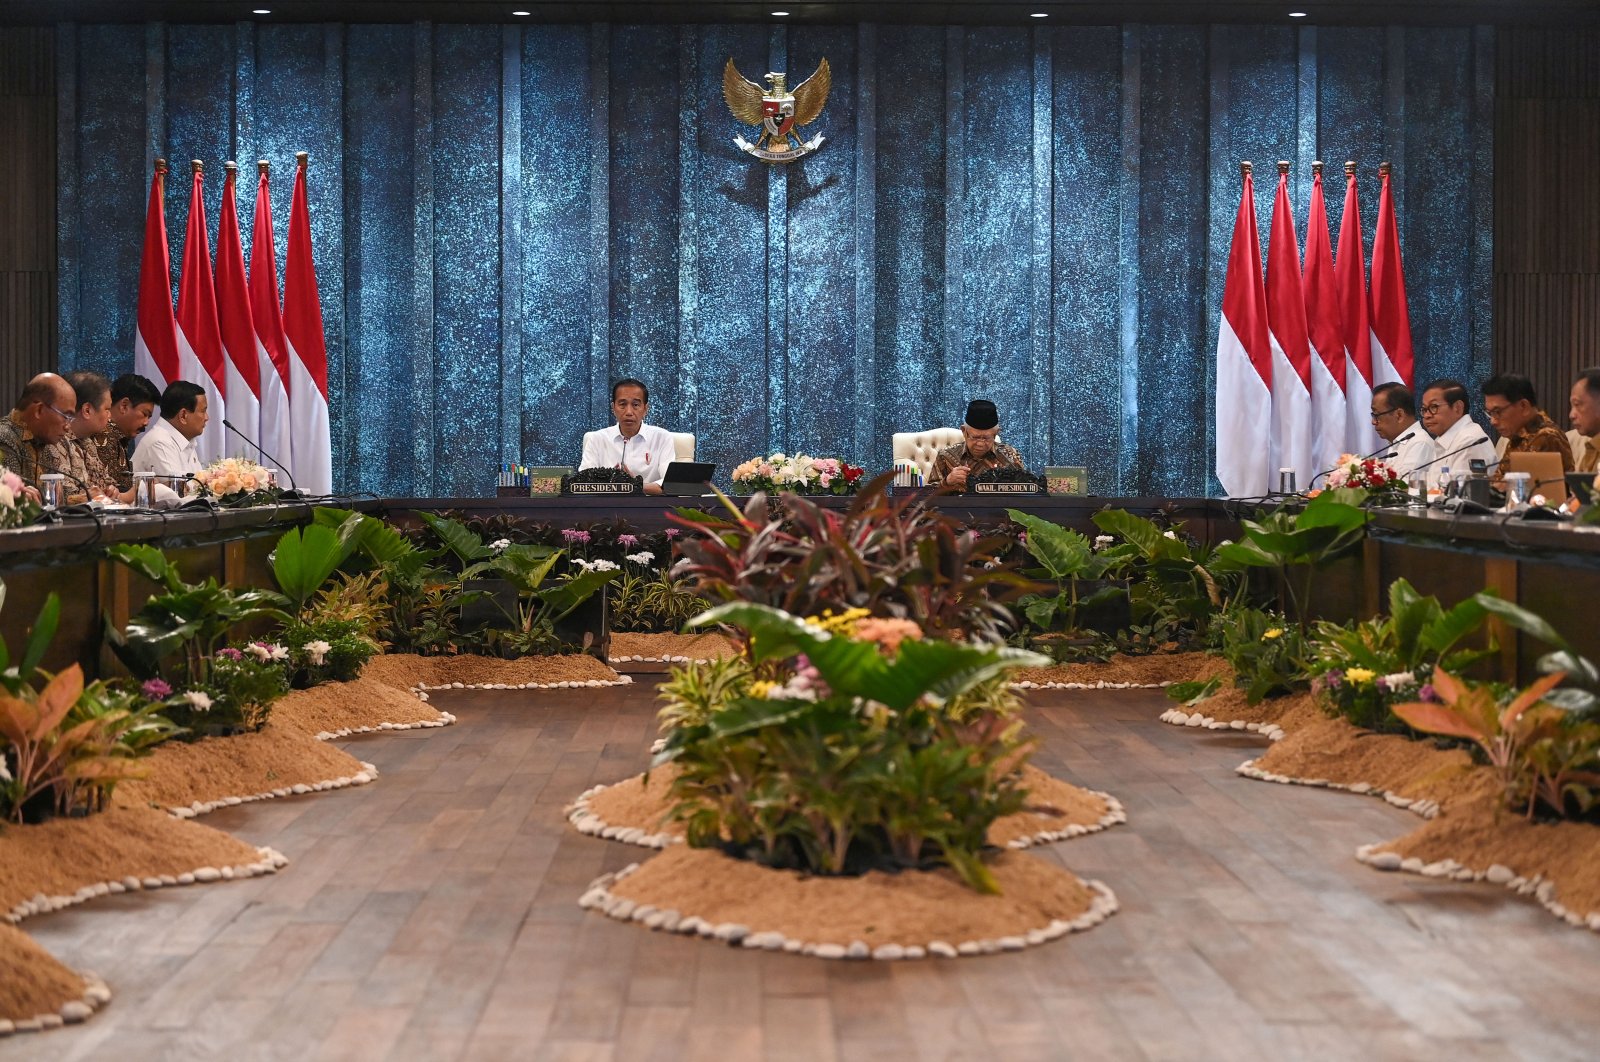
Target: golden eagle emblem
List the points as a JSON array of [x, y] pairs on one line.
[[776, 111]]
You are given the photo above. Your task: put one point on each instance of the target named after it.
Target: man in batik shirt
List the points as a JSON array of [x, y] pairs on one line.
[[979, 450]]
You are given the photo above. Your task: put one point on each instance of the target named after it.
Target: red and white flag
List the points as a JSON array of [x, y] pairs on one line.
[[1350, 273], [1392, 358], [276, 430], [238, 331], [1326, 334], [1244, 363], [155, 338], [1291, 347], [308, 351], [200, 358]]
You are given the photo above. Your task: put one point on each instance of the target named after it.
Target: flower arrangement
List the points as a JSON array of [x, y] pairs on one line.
[[16, 508], [800, 474], [233, 475], [1371, 474]]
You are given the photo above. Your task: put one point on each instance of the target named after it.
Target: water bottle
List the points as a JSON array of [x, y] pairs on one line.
[[1446, 482], [141, 489]]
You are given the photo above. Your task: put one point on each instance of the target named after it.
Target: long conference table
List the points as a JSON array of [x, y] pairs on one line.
[[1553, 569]]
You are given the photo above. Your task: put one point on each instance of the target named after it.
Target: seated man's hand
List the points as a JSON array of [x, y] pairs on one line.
[[652, 488], [957, 477], [31, 493]]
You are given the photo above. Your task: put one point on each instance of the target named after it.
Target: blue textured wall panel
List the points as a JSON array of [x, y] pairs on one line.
[[379, 181], [909, 235], [1173, 347], [112, 186], [505, 218], [556, 102], [1087, 158], [466, 220], [819, 361]]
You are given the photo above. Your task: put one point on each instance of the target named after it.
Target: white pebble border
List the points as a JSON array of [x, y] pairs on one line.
[[1420, 806], [73, 1011], [592, 825], [599, 897], [661, 660], [1026, 685], [620, 680], [96, 994], [1539, 887], [1178, 717], [367, 773]]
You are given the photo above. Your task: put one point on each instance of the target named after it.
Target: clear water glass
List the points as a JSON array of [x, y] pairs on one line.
[[1517, 488], [50, 491], [1286, 481], [141, 489], [1417, 488]]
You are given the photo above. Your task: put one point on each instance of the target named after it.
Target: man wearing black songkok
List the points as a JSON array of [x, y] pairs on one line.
[[980, 448]]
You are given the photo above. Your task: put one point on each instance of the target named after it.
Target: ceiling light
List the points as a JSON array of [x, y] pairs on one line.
[[1040, 14], [780, 14], [261, 11], [1297, 14], [523, 13]]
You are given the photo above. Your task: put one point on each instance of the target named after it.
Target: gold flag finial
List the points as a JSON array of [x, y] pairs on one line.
[[1316, 168], [1283, 167], [197, 166], [1386, 168], [1350, 168], [263, 166], [1245, 167], [302, 158]]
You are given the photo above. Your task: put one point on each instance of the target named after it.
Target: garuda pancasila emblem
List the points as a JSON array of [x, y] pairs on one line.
[[777, 112]]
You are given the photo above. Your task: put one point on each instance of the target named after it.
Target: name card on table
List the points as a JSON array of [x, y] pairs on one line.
[[1006, 488], [602, 488]]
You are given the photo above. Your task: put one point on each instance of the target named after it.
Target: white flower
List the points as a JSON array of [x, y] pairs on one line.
[[499, 544], [596, 565], [1169, 534], [260, 651], [198, 700], [1400, 680], [8, 499], [644, 557], [1538, 500], [1102, 541], [317, 652], [5, 772]]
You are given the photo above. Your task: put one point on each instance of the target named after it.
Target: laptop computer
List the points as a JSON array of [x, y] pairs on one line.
[[1546, 474], [1581, 484], [688, 479]]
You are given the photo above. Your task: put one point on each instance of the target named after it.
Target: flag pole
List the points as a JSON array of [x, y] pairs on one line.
[[1385, 169], [1316, 168], [1283, 167], [197, 166], [302, 159], [263, 166]]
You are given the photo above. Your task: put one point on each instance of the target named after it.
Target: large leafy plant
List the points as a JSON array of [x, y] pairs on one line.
[[1267, 652], [866, 768], [893, 557], [1297, 544], [1068, 560], [305, 558], [179, 629], [541, 599], [1525, 739]]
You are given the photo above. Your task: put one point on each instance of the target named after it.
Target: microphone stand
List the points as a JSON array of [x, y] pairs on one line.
[[293, 492], [1452, 453]]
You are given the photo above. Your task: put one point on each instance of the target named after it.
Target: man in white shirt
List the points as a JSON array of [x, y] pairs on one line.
[[1394, 418], [167, 445], [630, 444], [1460, 439], [1584, 437]]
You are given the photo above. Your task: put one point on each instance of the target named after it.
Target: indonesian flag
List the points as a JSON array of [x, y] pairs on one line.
[[155, 337], [238, 331], [200, 358], [1291, 347], [1244, 363], [1350, 273], [308, 352], [1392, 358], [272, 351], [1326, 334]]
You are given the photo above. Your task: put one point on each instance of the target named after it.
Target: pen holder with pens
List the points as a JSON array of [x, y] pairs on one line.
[[908, 473]]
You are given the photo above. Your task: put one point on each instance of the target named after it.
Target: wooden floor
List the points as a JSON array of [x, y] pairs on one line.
[[433, 916]]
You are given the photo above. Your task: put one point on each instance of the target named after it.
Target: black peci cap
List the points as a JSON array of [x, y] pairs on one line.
[[981, 414]]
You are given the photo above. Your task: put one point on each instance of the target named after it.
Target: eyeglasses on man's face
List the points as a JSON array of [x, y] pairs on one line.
[[1496, 412], [1379, 414], [63, 414], [1432, 408]]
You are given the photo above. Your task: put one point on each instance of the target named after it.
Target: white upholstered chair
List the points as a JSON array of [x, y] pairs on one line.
[[683, 446], [923, 446]]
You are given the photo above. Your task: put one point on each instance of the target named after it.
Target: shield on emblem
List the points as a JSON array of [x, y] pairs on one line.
[[778, 116]]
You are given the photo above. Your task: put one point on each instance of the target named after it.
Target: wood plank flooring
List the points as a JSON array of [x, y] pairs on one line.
[[432, 915]]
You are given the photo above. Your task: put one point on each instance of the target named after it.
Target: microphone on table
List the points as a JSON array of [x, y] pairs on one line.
[[1378, 453], [293, 491]]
